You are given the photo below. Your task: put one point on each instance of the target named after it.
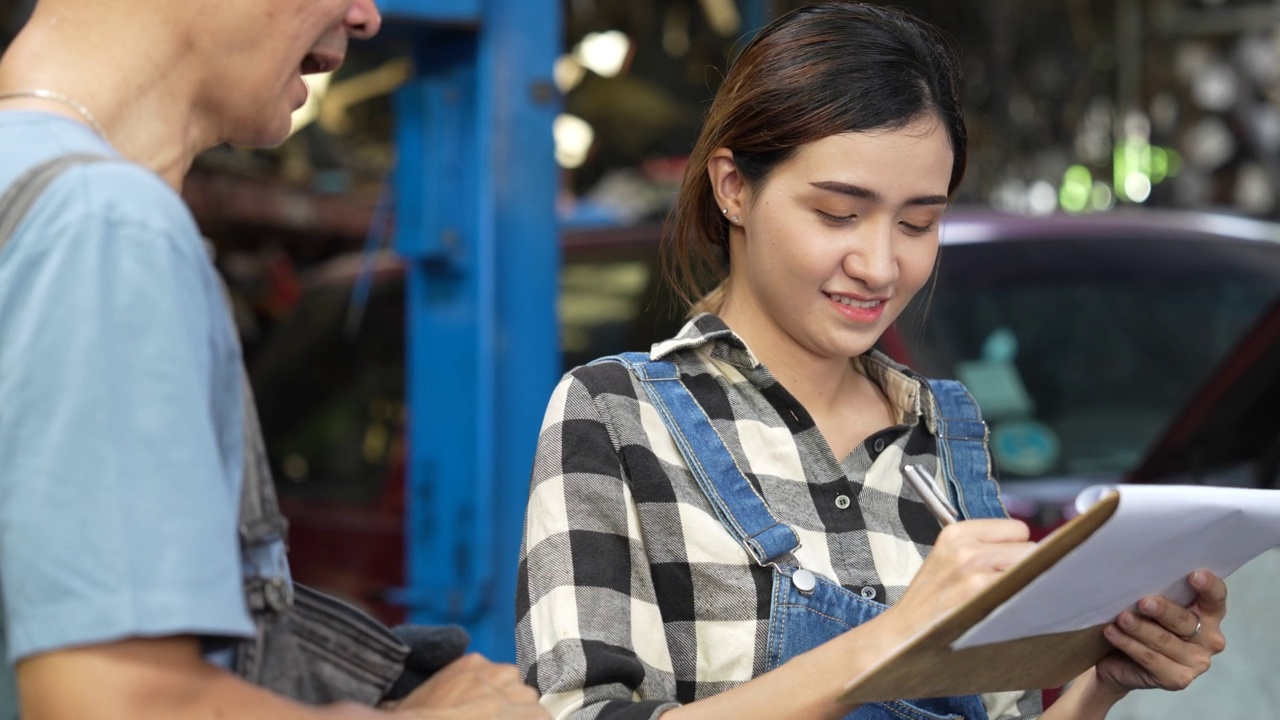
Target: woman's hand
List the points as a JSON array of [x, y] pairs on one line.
[[1165, 645], [967, 557]]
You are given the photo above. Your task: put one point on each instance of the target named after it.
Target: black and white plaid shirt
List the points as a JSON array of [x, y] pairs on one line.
[[633, 597]]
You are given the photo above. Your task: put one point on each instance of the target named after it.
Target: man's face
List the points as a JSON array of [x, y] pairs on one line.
[[273, 44]]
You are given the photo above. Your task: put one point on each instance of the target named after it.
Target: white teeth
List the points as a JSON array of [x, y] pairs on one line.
[[867, 305]]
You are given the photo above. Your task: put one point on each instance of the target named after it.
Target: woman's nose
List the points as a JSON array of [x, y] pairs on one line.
[[872, 261]]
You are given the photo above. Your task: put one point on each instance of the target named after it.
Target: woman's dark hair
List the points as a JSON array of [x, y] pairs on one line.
[[821, 70]]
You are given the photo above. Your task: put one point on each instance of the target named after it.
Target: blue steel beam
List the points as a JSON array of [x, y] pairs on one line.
[[475, 186], [433, 12]]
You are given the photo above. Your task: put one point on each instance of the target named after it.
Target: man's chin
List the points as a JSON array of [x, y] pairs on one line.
[[264, 136]]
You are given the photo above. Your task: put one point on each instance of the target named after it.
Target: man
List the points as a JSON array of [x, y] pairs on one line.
[[121, 451]]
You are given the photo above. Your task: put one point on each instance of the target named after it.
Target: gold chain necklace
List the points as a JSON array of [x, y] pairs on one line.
[[43, 94]]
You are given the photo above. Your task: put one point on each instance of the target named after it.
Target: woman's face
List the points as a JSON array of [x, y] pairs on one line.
[[838, 240]]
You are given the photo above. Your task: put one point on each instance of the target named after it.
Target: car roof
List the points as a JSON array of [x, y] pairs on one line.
[[972, 225]]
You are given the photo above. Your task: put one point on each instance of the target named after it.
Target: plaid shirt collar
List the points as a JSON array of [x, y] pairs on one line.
[[902, 385]]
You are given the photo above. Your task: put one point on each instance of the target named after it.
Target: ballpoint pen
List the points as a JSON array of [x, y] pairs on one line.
[[928, 492]]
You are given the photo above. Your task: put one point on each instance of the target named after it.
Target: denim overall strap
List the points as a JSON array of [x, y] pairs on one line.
[[803, 614], [24, 191], [741, 510], [962, 452]]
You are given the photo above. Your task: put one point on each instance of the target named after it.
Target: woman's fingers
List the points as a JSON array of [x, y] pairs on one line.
[[1168, 645], [1148, 665], [986, 530], [1211, 594]]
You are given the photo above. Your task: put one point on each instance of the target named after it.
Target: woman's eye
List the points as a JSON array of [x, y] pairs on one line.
[[917, 229], [837, 219]]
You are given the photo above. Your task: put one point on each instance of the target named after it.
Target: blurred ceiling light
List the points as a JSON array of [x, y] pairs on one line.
[[1192, 57], [1265, 120], [1209, 144], [1103, 198], [1010, 195], [722, 16], [568, 72], [1137, 187], [1136, 125], [317, 87], [1215, 87], [603, 53], [1254, 192], [573, 137], [1260, 58], [1042, 198]]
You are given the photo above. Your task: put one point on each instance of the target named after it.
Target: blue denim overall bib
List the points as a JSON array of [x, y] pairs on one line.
[[806, 613]]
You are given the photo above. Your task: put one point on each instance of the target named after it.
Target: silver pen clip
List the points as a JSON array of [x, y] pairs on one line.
[[930, 494]]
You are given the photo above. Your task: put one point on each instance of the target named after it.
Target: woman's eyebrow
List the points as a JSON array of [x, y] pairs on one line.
[[860, 192]]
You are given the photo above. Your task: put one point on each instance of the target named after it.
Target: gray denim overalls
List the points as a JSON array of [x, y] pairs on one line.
[[809, 609]]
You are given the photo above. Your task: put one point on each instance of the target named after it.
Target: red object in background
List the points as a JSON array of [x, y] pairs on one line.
[[355, 553], [1155, 263]]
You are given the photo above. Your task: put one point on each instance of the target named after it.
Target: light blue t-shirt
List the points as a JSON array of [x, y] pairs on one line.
[[120, 412]]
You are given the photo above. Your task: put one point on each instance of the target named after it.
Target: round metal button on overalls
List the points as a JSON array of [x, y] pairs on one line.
[[842, 501], [869, 592], [804, 581]]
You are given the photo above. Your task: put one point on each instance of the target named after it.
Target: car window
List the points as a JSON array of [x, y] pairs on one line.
[[1080, 351]]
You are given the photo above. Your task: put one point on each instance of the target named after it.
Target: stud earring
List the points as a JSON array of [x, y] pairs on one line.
[[724, 210], [734, 219]]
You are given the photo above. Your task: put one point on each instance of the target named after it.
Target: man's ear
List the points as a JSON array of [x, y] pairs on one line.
[[727, 183]]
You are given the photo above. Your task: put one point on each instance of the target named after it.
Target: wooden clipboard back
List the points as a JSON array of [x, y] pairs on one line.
[[927, 667]]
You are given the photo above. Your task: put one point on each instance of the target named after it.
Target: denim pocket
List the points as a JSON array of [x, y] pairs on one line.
[[321, 650]]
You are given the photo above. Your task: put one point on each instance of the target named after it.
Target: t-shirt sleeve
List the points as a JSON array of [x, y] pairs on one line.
[[117, 508]]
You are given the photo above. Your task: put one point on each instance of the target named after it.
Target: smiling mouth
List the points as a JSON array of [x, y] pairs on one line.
[[864, 304]]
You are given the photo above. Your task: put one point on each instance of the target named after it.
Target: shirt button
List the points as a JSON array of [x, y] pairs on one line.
[[878, 445], [869, 592], [842, 501]]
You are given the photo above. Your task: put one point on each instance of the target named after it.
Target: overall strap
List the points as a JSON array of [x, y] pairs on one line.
[[261, 522], [962, 452], [740, 508], [24, 191]]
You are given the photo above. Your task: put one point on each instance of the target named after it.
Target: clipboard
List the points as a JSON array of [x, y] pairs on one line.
[[926, 666]]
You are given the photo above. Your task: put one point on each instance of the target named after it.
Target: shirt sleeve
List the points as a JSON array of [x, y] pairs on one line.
[[117, 507], [589, 633]]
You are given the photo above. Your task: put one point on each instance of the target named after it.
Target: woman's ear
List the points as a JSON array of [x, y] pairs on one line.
[[727, 183]]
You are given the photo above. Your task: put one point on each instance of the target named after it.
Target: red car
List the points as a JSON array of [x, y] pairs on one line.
[[1082, 337]]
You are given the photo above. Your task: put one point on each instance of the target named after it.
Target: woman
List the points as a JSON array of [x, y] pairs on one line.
[[792, 555]]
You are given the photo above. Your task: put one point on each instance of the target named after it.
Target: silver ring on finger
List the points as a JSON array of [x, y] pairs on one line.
[[1194, 633]]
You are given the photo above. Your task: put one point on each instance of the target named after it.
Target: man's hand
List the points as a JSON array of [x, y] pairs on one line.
[[167, 679], [472, 688]]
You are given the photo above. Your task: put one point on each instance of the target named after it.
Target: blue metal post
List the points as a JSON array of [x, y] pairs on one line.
[[475, 186]]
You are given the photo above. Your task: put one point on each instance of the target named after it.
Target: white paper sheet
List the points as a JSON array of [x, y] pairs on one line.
[[1157, 536]]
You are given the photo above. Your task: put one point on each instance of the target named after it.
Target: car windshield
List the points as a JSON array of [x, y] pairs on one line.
[[1081, 351]]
